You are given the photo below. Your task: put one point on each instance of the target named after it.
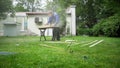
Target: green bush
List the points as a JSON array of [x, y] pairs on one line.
[[97, 29], [112, 26], [108, 27], [84, 31]]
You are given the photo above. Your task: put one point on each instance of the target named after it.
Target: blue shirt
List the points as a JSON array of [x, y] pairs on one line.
[[54, 18]]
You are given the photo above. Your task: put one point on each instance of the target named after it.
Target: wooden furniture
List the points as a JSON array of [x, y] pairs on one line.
[[43, 29]]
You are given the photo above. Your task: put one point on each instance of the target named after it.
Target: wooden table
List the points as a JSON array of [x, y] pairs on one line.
[[43, 29]]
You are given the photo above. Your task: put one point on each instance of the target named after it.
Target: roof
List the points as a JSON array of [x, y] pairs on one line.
[[36, 13], [41, 13], [10, 23], [21, 14]]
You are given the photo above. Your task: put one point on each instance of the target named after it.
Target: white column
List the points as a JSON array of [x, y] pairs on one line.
[[73, 20], [22, 23]]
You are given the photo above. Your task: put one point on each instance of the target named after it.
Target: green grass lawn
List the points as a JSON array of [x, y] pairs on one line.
[[29, 52]]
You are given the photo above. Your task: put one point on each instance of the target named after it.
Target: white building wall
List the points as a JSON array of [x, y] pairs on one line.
[[1, 28], [34, 28], [21, 20]]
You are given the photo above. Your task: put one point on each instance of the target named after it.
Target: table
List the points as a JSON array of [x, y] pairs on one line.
[[43, 29]]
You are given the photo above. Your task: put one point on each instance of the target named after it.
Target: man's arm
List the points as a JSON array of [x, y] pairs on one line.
[[49, 20], [56, 18]]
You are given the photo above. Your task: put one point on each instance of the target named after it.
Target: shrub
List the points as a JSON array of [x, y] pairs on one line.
[[97, 29], [108, 27], [84, 31], [112, 26]]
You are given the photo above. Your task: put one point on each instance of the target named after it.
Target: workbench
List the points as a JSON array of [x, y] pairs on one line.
[[43, 29]]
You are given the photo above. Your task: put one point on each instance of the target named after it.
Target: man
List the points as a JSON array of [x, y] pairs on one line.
[[54, 20]]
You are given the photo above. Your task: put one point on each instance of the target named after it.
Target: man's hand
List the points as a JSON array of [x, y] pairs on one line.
[[46, 24], [52, 25]]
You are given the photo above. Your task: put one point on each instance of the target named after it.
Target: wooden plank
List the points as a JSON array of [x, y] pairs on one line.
[[96, 43], [89, 43]]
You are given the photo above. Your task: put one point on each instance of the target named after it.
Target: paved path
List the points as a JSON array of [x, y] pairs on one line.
[[6, 53]]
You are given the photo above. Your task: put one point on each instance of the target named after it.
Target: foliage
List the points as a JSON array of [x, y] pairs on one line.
[[86, 10], [110, 23], [28, 5], [84, 31], [97, 29], [112, 26], [90, 12], [108, 27], [20, 8], [5, 8]]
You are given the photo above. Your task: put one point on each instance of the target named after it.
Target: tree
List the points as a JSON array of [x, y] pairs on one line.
[[5, 7], [20, 8], [84, 9], [109, 25], [90, 12], [28, 5]]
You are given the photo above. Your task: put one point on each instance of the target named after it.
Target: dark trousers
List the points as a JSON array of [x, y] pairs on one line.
[[56, 34]]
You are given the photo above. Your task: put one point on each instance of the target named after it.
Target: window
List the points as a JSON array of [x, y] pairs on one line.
[[38, 21]]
